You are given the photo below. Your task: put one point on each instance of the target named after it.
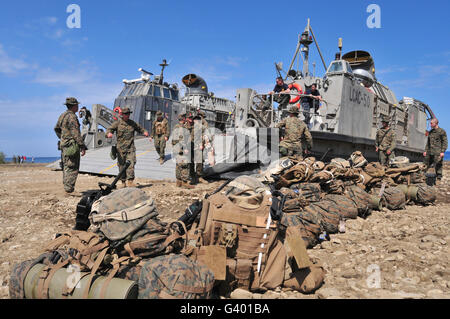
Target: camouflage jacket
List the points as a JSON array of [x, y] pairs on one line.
[[67, 128], [385, 139], [160, 128], [295, 131], [437, 141], [125, 134]]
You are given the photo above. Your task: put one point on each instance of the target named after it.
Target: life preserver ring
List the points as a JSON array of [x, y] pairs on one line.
[[299, 90], [117, 110]]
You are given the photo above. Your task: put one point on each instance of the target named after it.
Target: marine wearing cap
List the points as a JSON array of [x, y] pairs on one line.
[[385, 142], [126, 150], [71, 143], [160, 135]]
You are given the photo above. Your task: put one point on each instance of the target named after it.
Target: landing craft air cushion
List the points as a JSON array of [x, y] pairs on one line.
[[353, 104]]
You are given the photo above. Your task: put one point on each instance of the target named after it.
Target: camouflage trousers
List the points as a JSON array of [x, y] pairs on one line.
[[122, 157], [385, 158], [290, 149], [197, 165], [431, 159], [160, 145], [71, 165], [183, 171]]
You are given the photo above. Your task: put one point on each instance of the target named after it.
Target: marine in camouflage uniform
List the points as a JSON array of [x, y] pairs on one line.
[[180, 142], [124, 129], [437, 144], [296, 135], [160, 134], [385, 142], [68, 131]]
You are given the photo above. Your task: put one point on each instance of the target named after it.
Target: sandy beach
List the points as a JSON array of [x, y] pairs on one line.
[[391, 254]]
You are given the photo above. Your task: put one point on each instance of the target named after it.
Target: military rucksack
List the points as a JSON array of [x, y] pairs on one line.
[[364, 201], [327, 213], [392, 197], [426, 194], [308, 225], [309, 191], [346, 207], [174, 276]]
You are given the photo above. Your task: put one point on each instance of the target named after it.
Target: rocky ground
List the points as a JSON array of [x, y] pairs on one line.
[[391, 254]]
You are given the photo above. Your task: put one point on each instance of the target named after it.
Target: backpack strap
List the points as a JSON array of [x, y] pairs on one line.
[[135, 212], [95, 267]]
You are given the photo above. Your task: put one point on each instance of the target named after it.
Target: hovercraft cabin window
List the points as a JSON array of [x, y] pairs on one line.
[[166, 93], [157, 92], [174, 95]]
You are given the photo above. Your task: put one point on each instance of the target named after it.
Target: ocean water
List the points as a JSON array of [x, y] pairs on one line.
[[36, 159]]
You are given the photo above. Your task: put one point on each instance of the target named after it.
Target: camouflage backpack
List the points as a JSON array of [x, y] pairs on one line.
[[392, 197], [327, 213], [294, 200], [174, 276], [309, 191], [426, 195], [300, 172], [364, 201], [122, 212], [308, 225], [346, 207]]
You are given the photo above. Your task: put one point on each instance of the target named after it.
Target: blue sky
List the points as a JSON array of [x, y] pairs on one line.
[[231, 44]]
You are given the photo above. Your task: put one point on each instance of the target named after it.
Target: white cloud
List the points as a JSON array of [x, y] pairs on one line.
[[9, 65]]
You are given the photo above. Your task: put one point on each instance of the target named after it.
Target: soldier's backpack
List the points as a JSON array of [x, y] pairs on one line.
[[174, 276], [308, 225], [357, 159], [364, 201], [294, 200], [426, 195], [327, 213], [346, 207], [392, 197], [309, 191], [300, 172]]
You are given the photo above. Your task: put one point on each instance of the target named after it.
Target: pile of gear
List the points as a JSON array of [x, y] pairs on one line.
[[251, 233]]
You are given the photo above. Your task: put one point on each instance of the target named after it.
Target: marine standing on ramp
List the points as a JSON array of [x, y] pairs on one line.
[[385, 142], [160, 133], [295, 132], [71, 144], [437, 144], [124, 129]]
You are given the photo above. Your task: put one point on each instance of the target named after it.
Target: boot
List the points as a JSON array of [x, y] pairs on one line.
[[179, 183], [187, 185], [130, 183], [161, 161]]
